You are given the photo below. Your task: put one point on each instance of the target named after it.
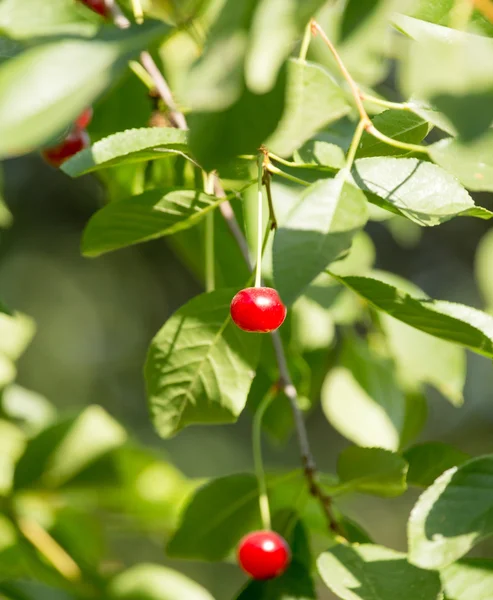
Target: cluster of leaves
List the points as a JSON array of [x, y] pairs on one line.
[[242, 89]]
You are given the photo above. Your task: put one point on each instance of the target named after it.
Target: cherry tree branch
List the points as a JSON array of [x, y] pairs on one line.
[[286, 384]]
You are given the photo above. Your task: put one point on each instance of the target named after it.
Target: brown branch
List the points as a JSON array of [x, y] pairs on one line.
[[285, 381]]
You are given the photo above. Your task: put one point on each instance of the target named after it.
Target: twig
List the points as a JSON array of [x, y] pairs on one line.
[[288, 388]]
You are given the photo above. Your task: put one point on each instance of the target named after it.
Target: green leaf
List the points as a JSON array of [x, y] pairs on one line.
[[125, 147], [448, 321], [319, 154], [32, 590], [62, 450], [429, 460], [32, 410], [420, 357], [468, 578], [68, 75], [452, 515], [16, 333], [453, 71], [270, 46], [224, 510], [372, 471], [313, 100], [154, 582], [471, 163], [217, 137], [370, 572], [5, 214], [12, 443], [418, 190], [316, 232], [24, 20], [200, 365], [362, 400], [404, 126], [150, 215]]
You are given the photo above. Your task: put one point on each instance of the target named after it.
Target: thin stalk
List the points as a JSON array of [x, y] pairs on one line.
[[257, 458], [260, 215], [351, 155], [283, 161], [138, 11], [272, 169], [142, 74], [385, 103], [268, 189], [50, 549], [396, 143], [305, 44], [210, 276], [345, 73]]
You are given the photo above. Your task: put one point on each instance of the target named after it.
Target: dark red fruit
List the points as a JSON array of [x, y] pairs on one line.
[[98, 6], [263, 554], [258, 309], [75, 141], [84, 118]]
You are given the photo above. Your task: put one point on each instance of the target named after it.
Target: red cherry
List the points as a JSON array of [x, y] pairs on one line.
[[98, 6], [75, 141], [84, 118], [258, 309], [263, 554]]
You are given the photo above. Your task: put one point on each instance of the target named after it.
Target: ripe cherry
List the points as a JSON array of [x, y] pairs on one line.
[[258, 309], [263, 554], [84, 118], [75, 141], [98, 6]]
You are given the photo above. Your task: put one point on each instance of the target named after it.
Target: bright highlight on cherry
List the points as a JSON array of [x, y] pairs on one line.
[[258, 309], [264, 554]]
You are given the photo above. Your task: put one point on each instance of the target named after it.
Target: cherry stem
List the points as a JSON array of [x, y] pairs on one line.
[[257, 458], [276, 171], [210, 276], [305, 44], [260, 215]]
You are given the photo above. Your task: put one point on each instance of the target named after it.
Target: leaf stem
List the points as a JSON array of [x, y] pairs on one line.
[[305, 44], [353, 149], [283, 161], [268, 189], [385, 103], [257, 457], [396, 143], [138, 11], [210, 276], [273, 169], [260, 214]]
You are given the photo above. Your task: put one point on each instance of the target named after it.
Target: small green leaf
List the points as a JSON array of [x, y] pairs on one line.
[[150, 215], [372, 471], [200, 365], [404, 126], [369, 572], [295, 584], [420, 357], [429, 460], [30, 409], [154, 582], [452, 515], [16, 333], [471, 163], [453, 71], [471, 578], [270, 46], [131, 146], [362, 400], [12, 444], [484, 256], [313, 100], [446, 320], [62, 450], [319, 154], [316, 232], [68, 75], [418, 190], [224, 510]]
